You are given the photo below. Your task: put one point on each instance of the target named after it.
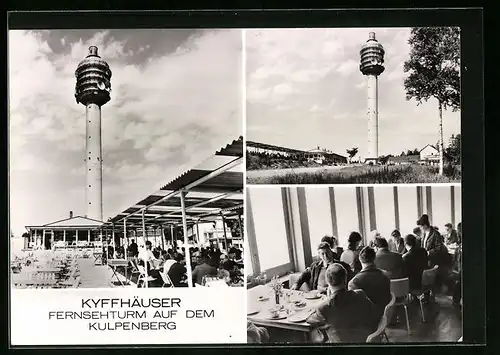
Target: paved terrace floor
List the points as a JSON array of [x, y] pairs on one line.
[[98, 276]]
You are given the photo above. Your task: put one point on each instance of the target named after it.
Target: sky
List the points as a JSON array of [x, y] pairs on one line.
[[304, 89], [175, 100]]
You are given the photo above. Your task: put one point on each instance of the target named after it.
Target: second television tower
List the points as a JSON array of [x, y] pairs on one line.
[[93, 87], [372, 60]]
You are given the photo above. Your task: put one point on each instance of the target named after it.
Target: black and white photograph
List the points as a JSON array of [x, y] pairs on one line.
[[353, 105], [347, 264], [125, 158]]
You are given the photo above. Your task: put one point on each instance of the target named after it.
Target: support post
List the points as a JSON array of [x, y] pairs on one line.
[[240, 227], [64, 237], [76, 239], [145, 237], [224, 229], [114, 241], [172, 237], [88, 236], [125, 236], [43, 239], [186, 241]]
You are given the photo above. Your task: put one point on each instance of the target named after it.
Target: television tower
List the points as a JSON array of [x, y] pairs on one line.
[[372, 60], [93, 87]]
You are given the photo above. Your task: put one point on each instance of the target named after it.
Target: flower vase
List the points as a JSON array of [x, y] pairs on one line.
[[277, 298]]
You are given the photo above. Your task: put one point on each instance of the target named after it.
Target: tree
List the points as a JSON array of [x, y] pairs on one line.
[[402, 154], [352, 152], [434, 71], [453, 150]]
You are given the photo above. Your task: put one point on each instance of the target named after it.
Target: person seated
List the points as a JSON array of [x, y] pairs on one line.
[[450, 234], [351, 255], [229, 264], [348, 315], [168, 261], [332, 241], [238, 256], [396, 242], [203, 269], [373, 281], [314, 275], [150, 262], [417, 232], [256, 335], [176, 271], [388, 261], [415, 260]]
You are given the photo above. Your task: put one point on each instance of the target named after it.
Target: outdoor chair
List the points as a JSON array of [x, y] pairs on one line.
[[380, 333], [428, 281], [143, 276], [401, 289], [166, 280]]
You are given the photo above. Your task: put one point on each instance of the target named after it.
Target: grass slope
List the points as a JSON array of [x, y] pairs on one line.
[[367, 175]]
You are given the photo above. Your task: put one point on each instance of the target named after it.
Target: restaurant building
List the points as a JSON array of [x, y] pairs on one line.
[[75, 231]]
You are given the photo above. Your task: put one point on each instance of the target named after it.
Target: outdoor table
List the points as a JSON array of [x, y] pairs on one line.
[[268, 302], [114, 264], [97, 257]]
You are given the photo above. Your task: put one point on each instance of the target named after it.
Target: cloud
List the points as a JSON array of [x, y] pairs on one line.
[[169, 109]]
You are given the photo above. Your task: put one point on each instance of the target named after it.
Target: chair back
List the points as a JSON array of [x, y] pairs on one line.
[[400, 287], [389, 309], [429, 277], [375, 336], [293, 278], [142, 270], [166, 279]]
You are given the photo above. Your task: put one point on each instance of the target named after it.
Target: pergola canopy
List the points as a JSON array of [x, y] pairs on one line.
[[211, 188]]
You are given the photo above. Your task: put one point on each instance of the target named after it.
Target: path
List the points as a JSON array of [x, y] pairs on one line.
[[96, 276]]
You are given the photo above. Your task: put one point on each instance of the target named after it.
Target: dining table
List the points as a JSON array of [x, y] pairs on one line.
[[261, 299]]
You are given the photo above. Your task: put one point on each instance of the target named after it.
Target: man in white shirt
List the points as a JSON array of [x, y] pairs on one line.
[[150, 262]]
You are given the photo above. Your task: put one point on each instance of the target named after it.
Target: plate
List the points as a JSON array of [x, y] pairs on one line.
[[252, 311], [300, 316], [312, 296], [299, 306], [281, 315]]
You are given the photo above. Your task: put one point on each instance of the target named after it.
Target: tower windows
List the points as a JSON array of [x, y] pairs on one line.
[[90, 185]]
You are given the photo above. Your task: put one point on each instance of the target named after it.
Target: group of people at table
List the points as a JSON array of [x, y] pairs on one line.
[[205, 262], [357, 281]]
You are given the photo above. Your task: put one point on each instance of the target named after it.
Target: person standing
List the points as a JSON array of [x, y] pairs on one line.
[[433, 243]]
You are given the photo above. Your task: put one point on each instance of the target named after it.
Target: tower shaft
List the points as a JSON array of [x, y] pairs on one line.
[[372, 114], [93, 161]]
